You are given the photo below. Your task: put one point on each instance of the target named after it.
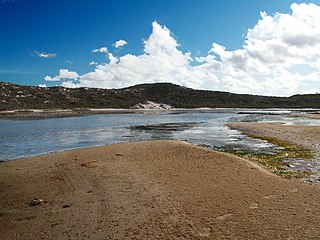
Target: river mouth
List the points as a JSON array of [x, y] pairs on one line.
[[212, 136], [207, 128]]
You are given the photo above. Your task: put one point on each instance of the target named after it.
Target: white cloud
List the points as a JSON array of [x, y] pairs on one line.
[[161, 62], [100, 50], [63, 75], [42, 85], [280, 56], [120, 43], [93, 63], [43, 54], [113, 59]]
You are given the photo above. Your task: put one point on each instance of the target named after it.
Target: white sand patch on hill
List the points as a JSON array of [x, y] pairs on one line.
[[152, 105]]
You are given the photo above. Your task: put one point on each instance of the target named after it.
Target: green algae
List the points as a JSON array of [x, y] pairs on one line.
[[276, 163]]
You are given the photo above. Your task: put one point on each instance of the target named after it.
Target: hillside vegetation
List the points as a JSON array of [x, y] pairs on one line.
[[14, 96]]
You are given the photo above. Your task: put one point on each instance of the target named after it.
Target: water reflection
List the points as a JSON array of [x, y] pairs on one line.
[[205, 127], [212, 134]]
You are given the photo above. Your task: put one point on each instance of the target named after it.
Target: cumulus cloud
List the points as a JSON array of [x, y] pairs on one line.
[[280, 56], [100, 50], [120, 43], [161, 62], [43, 54], [63, 75], [42, 85], [93, 63]]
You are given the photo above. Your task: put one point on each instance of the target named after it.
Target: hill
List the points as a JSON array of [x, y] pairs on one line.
[[13, 96]]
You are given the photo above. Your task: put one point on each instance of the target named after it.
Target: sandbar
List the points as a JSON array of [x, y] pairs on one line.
[[152, 190]]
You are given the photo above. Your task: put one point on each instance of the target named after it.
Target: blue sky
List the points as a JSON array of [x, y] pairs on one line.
[[40, 38]]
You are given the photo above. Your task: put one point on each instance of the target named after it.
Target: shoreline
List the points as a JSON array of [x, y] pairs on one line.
[[140, 190], [31, 114], [301, 168], [260, 130], [307, 137]]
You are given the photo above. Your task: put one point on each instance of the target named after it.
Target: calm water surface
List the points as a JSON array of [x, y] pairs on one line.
[[207, 128]]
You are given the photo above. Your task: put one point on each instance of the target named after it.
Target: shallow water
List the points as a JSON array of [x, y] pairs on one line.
[[23, 138]]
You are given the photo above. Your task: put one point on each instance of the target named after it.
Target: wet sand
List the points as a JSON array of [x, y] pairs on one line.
[[152, 190], [307, 136], [306, 115]]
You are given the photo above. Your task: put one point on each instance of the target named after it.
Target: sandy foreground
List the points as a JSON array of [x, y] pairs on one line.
[[152, 190]]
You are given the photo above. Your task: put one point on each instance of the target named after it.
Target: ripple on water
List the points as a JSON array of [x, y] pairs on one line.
[[27, 138]]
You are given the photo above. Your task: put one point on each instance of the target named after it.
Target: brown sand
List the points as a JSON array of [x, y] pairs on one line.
[[306, 115], [307, 136], [152, 190]]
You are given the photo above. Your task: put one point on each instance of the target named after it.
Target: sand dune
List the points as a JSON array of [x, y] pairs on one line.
[[152, 190]]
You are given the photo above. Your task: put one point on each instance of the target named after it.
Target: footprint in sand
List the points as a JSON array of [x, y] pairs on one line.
[[222, 217], [254, 205], [270, 196], [294, 190], [91, 164], [205, 232]]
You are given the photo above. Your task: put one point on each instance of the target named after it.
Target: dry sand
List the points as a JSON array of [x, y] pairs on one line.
[[152, 190]]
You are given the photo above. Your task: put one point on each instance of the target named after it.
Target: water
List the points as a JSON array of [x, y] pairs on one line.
[[284, 118], [207, 128]]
